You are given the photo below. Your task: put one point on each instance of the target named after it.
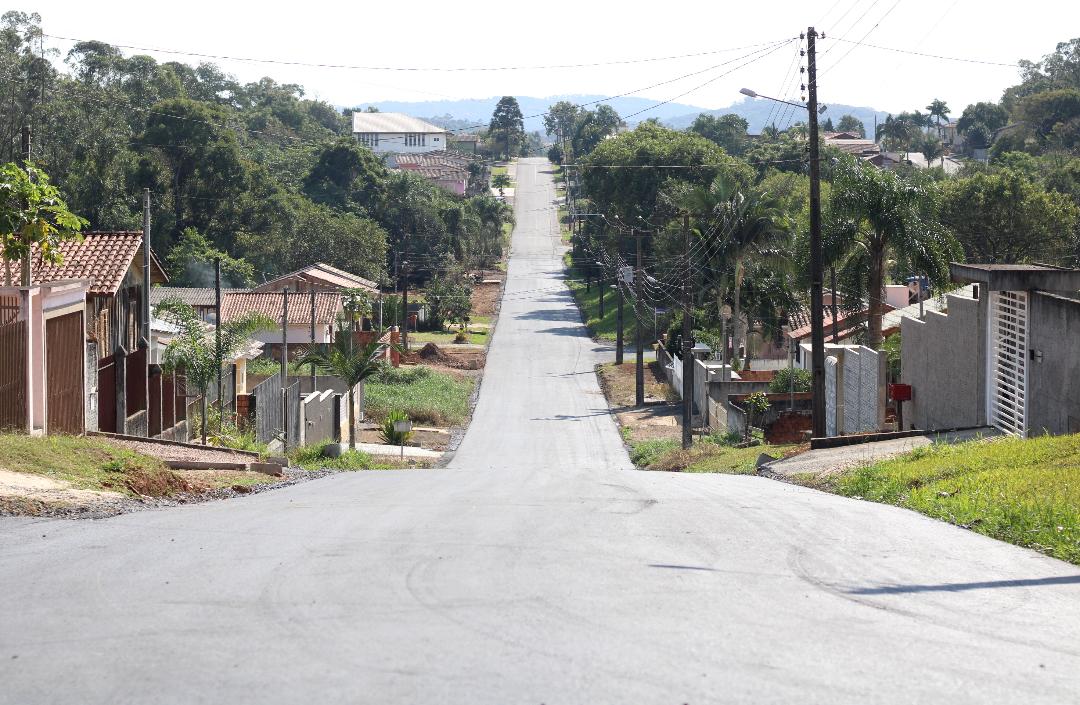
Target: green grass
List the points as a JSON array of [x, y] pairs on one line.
[[496, 170], [709, 454], [441, 338], [312, 458], [604, 328], [1026, 492], [428, 397]]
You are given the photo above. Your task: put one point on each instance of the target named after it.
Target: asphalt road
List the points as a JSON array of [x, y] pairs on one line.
[[537, 568]]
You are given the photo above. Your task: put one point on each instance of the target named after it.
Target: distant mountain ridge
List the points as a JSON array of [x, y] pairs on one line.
[[462, 115]]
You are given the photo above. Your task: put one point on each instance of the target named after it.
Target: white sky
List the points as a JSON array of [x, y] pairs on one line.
[[428, 33]]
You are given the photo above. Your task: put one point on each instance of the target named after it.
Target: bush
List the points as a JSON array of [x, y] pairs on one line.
[[314, 457], [781, 383], [391, 436]]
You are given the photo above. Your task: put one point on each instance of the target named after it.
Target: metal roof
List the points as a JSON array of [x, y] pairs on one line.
[[324, 274], [392, 123]]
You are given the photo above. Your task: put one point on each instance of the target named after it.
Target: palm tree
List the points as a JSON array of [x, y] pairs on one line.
[[940, 110], [351, 365], [932, 148], [875, 216], [200, 351], [744, 224]]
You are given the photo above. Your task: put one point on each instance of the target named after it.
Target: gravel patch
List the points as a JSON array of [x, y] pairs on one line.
[[163, 451]]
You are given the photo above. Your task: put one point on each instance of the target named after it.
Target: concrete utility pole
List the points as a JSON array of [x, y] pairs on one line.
[[24, 155], [314, 388], [405, 303], [817, 273], [619, 321], [687, 345], [217, 337], [285, 364], [639, 372], [146, 269], [835, 315]]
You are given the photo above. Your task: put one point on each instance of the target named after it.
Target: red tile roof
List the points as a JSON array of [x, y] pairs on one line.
[[237, 304], [101, 257]]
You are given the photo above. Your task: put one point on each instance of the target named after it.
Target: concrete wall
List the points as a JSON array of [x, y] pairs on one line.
[[319, 414], [722, 415], [1054, 381], [943, 358]]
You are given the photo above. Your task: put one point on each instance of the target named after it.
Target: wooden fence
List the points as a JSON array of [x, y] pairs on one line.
[[13, 375]]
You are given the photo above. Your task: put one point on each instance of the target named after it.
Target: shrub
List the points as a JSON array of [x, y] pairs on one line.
[[781, 383], [391, 436]]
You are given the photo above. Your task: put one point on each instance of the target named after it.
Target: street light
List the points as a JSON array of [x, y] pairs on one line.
[[817, 264]]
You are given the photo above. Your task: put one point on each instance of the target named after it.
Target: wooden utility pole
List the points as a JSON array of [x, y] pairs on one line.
[[817, 313], [639, 372], [687, 345]]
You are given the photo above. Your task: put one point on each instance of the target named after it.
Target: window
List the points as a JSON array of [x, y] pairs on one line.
[[368, 139], [416, 139]]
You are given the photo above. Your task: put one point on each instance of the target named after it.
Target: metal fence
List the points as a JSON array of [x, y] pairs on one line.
[[269, 421]]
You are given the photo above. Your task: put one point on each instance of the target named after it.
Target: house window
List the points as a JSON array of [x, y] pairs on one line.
[[368, 139]]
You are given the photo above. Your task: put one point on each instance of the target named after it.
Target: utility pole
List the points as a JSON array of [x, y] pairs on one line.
[[285, 365], [314, 388], [619, 320], [817, 313], [217, 339], [24, 154], [687, 346], [405, 301], [146, 273], [639, 372]]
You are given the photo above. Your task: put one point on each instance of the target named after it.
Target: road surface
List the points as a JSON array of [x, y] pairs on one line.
[[537, 568]]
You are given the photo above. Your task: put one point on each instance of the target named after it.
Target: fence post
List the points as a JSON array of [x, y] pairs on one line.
[[120, 370]]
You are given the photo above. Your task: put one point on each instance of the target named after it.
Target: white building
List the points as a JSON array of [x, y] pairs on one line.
[[398, 133]]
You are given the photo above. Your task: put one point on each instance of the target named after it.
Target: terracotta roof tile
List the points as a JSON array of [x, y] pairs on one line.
[[101, 257], [239, 303]]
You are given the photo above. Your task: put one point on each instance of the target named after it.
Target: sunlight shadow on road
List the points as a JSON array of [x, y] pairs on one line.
[[960, 587]]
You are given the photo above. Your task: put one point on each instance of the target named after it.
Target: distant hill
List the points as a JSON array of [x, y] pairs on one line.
[[456, 114], [463, 115], [756, 112]]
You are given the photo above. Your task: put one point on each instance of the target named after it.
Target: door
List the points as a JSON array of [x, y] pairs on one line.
[[1007, 381], [64, 363]]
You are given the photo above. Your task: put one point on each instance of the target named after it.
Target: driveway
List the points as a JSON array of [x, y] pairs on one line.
[[537, 568]]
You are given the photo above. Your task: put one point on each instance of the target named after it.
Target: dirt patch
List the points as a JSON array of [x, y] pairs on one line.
[[154, 483], [434, 356], [30, 489], [619, 384], [485, 295]]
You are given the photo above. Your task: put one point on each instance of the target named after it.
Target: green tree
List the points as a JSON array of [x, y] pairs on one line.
[[939, 110], [449, 298], [875, 216], [560, 119], [1053, 118], [728, 131], [990, 115], [508, 124], [201, 353], [850, 123], [32, 213], [191, 263], [347, 176], [352, 365], [1003, 217]]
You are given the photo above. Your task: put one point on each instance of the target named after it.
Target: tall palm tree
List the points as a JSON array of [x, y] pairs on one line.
[[939, 109], [876, 216], [350, 364], [743, 224], [202, 353]]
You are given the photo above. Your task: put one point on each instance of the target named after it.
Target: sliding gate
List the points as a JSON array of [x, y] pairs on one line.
[[1007, 381]]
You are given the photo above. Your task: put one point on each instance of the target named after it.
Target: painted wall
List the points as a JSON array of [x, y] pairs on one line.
[[396, 143], [1054, 374], [943, 358]]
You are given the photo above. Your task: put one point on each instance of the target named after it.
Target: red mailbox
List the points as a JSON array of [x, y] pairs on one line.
[[900, 392]]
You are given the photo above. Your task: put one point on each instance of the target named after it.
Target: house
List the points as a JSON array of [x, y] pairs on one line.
[[327, 307], [116, 322], [202, 299], [397, 132], [446, 169], [463, 143], [851, 144], [318, 277], [1006, 355]]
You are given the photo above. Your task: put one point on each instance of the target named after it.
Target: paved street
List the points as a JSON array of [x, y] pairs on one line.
[[537, 568]]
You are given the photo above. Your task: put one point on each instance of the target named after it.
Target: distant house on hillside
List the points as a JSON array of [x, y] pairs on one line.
[[319, 277], [397, 132]]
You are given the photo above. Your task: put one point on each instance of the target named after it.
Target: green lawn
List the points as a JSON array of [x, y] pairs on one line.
[[441, 338], [312, 458], [496, 170], [1026, 492], [706, 455], [428, 397], [604, 328]]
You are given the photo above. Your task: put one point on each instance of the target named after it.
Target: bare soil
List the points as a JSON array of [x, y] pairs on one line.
[[485, 296]]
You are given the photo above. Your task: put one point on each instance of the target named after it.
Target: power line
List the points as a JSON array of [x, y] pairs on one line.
[[930, 56], [861, 39], [415, 69]]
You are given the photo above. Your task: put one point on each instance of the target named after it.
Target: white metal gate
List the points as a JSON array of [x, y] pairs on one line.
[[1007, 383]]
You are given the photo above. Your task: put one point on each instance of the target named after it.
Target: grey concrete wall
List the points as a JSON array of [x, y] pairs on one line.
[[91, 384], [943, 358], [722, 415], [318, 418], [1054, 381]]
